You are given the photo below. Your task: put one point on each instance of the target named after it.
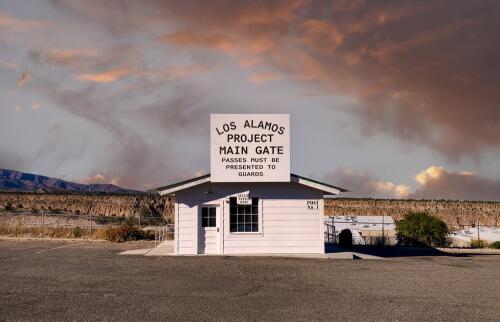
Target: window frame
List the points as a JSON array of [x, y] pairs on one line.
[[208, 207], [259, 219]]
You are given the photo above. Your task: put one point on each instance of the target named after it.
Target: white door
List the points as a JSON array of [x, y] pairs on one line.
[[209, 224]]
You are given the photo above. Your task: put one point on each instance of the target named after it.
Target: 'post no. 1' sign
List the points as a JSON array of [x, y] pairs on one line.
[[250, 147]]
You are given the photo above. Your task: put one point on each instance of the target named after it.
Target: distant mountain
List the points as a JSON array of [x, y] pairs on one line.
[[11, 180]]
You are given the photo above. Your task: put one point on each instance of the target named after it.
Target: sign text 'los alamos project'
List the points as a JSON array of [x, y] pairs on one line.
[[250, 147]]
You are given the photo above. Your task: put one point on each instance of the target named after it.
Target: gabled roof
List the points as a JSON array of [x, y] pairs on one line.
[[170, 189], [165, 190]]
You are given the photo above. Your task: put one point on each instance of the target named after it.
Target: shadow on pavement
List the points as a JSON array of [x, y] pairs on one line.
[[398, 251]]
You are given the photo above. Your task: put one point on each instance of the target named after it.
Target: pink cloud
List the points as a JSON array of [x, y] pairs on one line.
[[364, 184], [24, 78], [440, 183], [106, 76], [19, 24]]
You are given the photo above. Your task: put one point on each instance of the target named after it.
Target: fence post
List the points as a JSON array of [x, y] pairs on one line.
[[334, 237], [478, 238], [383, 224]]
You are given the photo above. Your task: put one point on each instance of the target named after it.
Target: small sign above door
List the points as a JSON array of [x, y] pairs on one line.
[[243, 199]]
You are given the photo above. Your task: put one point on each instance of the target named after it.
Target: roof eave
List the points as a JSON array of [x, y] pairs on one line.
[[169, 189], [314, 184], [317, 185], [329, 190]]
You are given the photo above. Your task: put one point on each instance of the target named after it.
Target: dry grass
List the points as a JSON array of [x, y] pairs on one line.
[[49, 232], [113, 234]]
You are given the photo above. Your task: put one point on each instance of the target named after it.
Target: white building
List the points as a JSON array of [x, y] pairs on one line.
[[250, 204], [249, 218]]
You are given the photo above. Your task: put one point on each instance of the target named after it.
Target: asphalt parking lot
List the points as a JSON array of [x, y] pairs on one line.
[[58, 280]]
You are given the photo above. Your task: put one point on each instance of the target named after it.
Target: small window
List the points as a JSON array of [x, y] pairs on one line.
[[208, 217], [243, 218]]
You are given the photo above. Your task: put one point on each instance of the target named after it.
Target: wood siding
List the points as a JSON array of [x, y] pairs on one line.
[[286, 225]]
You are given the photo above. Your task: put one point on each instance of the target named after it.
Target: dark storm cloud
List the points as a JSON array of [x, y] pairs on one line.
[[129, 153], [135, 162], [182, 111], [423, 72], [12, 160]]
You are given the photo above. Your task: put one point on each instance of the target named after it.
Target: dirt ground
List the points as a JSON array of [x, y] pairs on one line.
[[61, 280]]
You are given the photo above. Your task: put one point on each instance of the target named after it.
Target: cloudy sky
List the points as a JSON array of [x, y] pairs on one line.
[[394, 99]]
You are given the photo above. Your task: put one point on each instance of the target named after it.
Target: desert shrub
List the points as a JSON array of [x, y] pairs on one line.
[[477, 243], [34, 210], [77, 212], [495, 244], [345, 238], [422, 229], [149, 235], [144, 211], [8, 207], [77, 232], [123, 233], [20, 206]]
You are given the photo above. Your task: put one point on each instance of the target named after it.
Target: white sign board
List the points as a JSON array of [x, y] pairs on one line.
[[250, 147], [243, 199]]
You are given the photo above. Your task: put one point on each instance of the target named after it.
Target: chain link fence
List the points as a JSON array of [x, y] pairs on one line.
[[466, 235], [365, 233], [383, 232], [59, 219], [17, 221]]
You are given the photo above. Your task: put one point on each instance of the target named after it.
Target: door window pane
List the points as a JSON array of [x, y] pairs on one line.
[[208, 217]]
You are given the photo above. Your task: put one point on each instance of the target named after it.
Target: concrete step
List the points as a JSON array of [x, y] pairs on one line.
[[166, 248]]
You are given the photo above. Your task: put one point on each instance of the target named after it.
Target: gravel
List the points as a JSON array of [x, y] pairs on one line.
[[61, 280]]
